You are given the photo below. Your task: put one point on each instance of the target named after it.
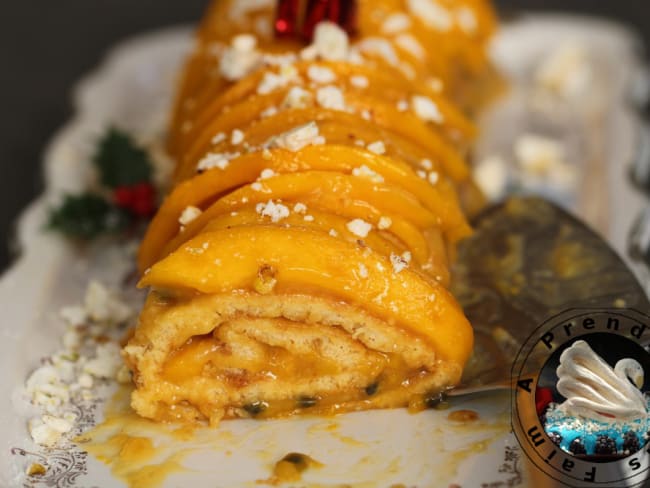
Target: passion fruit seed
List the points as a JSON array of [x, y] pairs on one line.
[[307, 401], [300, 460], [256, 408], [372, 388], [433, 400]]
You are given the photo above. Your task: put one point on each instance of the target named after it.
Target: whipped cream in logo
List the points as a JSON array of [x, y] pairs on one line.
[[593, 389]]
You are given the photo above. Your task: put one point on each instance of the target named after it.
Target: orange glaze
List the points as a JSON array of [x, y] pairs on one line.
[[340, 127], [324, 262], [318, 196], [145, 454], [211, 184], [428, 253], [130, 445], [457, 58], [387, 375], [200, 352], [463, 416], [380, 87], [406, 232]]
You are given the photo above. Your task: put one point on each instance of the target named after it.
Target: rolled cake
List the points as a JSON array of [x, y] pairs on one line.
[[300, 262]]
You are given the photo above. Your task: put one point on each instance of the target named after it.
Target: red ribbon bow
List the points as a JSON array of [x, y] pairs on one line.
[[289, 21]]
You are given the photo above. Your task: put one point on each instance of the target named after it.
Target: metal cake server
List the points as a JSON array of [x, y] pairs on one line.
[[527, 261]]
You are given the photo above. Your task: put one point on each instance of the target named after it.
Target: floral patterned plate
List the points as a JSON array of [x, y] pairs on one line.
[[467, 444]]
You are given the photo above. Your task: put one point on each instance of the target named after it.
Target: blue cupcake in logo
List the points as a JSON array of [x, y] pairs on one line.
[[604, 414]]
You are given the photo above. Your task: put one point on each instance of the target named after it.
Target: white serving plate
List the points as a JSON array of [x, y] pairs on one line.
[[133, 89]]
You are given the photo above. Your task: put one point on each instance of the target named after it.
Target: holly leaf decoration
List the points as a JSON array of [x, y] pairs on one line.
[[126, 195], [120, 161], [86, 216]]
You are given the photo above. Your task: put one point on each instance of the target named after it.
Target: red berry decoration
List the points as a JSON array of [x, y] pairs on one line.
[[123, 196], [138, 199], [144, 199], [125, 170]]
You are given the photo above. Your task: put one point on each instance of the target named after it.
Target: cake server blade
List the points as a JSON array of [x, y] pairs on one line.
[[528, 260]]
